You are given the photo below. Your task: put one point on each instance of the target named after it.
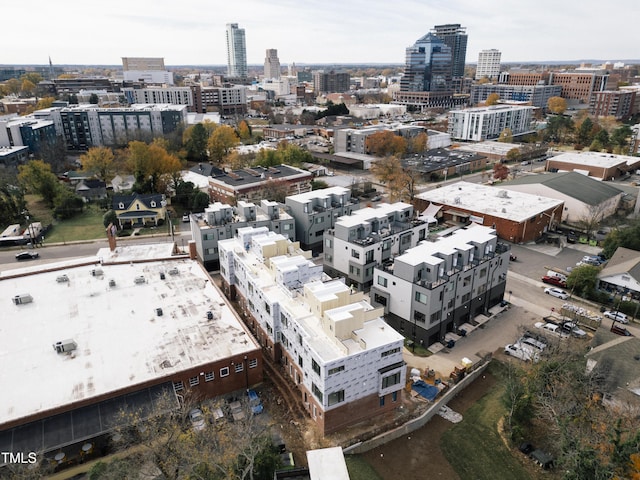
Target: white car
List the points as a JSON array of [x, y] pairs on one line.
[[617, 316], [556, 292], [196, 418], [572, 329], [520, 351]]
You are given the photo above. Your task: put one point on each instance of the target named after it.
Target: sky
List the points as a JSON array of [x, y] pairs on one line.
[[88, 32]]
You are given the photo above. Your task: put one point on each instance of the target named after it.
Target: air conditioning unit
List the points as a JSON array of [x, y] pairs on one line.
[[140, 279], [174, 271], [65, 346], [22, 299], [62, 278], [97, 272]]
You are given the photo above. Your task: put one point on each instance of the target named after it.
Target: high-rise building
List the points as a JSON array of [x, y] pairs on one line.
[[488, 64], [328, 82], [146, 69], [272, 64], [428, 66], [236, 52], [455, 37]]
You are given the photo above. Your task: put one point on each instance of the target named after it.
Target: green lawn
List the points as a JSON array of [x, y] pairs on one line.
[[86, 226], [359, 468], [473, 447]]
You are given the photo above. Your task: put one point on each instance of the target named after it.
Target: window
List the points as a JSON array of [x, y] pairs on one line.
[[382, 281], [390, 352], [193, 381], [315, 366], [483, 272], [287, 226], [391, 380], [380, 299], [267, 307], [419, 316], [382, 401], [355, 253], [435, 316], [178, 386], [319, 233], [386, 245], [421, 297], [394, 396], [369, 257], [253, 363], [239, 367], [466, 281], [208, 377], [466, 297], [284, 320], [328, 243], [319, 219], [224, 372], [300, 361], [316, 391], [335, 370], [335, 397], [354, 270]]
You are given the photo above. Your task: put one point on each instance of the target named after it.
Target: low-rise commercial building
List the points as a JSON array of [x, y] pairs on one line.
[[516, 217], [602, 166], [438, 287], [369, 237], [345, 361]]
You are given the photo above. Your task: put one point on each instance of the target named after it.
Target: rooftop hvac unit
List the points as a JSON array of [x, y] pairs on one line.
[[209, 315], [62, 278], [159, 312], [174, 271], [97, 272], [140, 279], [65, 346], [22, 298], [162, 277], [112, 283]]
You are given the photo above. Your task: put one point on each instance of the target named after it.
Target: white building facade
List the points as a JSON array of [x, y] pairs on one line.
[[486, 123], [344, 359], [488, 64]]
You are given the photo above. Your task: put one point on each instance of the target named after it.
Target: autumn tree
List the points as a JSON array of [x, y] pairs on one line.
[[221, 141], [385, 143], [500, 171], [27, 87], [513, 155], [153, 167], [418, 144], [244, 131], [506, 136], [36, 177], [99, 161], [400, 183], [557, 105], [627, 236], [12, 86], [275, 190], [492, 99]]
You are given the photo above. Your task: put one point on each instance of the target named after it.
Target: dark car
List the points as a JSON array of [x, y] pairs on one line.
[[554, 281], [27, 255], [620, 331]]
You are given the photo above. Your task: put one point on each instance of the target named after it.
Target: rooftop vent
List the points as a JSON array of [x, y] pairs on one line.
[[62, 279], [65, 346], [22, 298], [112, 283], [174, 271], [140, 279], [97, 272]]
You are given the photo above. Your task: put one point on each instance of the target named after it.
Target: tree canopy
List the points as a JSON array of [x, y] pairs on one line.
[[627, 237], [557, 105], [221, 141], [386, 143], [99, 161], [36, 177]]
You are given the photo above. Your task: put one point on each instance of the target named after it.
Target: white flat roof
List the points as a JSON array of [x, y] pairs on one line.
[[595, 159], [327, 464], [121, 339], [507, 204], [322, 193], [365, 215]]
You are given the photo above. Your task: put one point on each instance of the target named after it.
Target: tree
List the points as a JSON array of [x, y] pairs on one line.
[[45, 102], [500, 171], [558, 126], [627, 237], [620, 138], [32, 77], [385, 143], [67, 204], [418, 144], [400, 183], [153, 167], [109, 217], [195, 140], [93, 99], [244, 131], [318, 184], [12, 86], [221, 141], [582, 280], [99, 161], [584, 131], [492, 99], [557, 105], [591, 218], [54, 153], [506, 136], [36, 177], [12, 202], [199, 201], [275, 190], [603, 138], [513, 155]]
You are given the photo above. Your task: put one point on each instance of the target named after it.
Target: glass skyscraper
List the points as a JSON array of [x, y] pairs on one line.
[[236, 52], [428, 66], [455, 36]]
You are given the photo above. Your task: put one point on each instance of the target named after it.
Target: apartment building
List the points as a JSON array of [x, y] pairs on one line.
[[619, 104], [236, 51], [486, 123], [226, 100], [488, 64], [27, 132], [332, 81], [370, 237], [355, 140], [536, 95], [438, 287], [317, 211], [342, 357], [221, 221], [162, 95], [579, 86]]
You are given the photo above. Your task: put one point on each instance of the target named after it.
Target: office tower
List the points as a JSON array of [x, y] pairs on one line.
[[488, 64], [272, 64], [428, 66], [236, 52], [455, 37]]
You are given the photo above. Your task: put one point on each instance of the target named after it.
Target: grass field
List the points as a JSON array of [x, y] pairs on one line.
[[359, 468], [474, 448]]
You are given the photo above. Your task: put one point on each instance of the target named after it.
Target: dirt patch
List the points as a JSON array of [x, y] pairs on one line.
[[418, 454]]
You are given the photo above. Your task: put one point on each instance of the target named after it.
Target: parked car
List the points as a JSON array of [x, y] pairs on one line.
[[551, 328], [572, 237], [27, 256], [620, 331], [572, 329], [617, 316], [254, 402], [520, 351], [376, 198], [196, 417], [534, 343], [556, 292], [185, 218], [557, 281]]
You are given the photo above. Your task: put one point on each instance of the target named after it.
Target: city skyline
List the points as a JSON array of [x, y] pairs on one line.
[[350, 32]]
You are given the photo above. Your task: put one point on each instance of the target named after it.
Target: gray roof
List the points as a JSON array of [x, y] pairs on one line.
[[624, 260], [575, 185]]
